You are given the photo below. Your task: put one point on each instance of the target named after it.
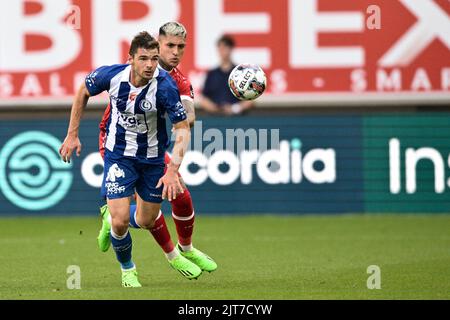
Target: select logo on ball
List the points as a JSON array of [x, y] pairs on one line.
[[247, 81]]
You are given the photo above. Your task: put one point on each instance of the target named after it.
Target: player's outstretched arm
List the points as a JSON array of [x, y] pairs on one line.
[[72, 141], [170, 180]]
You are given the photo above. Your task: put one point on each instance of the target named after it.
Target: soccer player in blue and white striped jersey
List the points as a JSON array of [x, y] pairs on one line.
[[141, 95]]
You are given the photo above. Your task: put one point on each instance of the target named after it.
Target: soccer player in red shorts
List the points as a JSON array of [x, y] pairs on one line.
[[184, 258]]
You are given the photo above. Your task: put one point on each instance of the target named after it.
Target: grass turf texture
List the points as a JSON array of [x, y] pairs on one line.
[[259, 257]]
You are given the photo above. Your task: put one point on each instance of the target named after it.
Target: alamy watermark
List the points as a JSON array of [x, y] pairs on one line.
[[73, 18], [373, 21], [212, 141], [374, 281], [236, 140], [74, 279]]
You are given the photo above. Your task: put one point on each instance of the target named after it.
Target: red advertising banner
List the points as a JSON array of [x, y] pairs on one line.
[[363, 50]]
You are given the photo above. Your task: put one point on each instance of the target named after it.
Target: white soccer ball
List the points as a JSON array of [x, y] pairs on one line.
[[247, 81]]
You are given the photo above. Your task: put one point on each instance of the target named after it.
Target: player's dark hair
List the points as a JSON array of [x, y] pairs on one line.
[[227, 41], [143, 40]]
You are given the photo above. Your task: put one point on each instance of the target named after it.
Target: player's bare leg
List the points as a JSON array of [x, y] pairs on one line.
[[146, 213], [159, 231], [121, 240]]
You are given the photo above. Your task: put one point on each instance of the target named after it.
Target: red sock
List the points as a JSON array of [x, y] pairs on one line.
[[183, 216], [161, 234]]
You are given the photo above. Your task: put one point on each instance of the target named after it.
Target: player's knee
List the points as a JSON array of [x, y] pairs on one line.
[[148, 223], [120, 224]]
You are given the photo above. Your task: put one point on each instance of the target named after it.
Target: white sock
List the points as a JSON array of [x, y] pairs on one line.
[[172, 254], [117, 237], [132, 268], [189, 247]]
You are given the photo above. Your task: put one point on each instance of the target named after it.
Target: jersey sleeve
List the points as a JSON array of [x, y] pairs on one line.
[[186, 90], [99, 80], [170, 97]]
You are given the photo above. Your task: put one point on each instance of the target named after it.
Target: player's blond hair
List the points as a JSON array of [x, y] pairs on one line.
[[173, 28]]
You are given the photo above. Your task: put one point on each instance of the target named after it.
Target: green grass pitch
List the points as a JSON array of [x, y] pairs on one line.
[[259, 257]]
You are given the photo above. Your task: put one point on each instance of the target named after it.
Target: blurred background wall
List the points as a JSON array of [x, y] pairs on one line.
[[358, 95]]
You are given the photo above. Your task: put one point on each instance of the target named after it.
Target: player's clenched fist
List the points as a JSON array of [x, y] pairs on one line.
[[70, 144]]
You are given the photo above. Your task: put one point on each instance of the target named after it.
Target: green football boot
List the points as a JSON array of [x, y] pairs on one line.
[[201, 259], [103, 239], [130, 279], [187, 269]]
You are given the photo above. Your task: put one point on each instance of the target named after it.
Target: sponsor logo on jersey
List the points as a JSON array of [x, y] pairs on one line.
[[146, 106]]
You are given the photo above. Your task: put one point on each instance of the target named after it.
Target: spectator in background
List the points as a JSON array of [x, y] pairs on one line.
[[216, 95]]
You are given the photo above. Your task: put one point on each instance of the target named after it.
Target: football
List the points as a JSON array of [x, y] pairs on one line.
[[247, 81]]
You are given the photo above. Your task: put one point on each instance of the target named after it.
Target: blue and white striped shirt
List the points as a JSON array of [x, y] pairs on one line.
[[137, 125]]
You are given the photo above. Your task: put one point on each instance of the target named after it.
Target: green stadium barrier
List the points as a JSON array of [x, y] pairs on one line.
[[326, 164], [407, 162]]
